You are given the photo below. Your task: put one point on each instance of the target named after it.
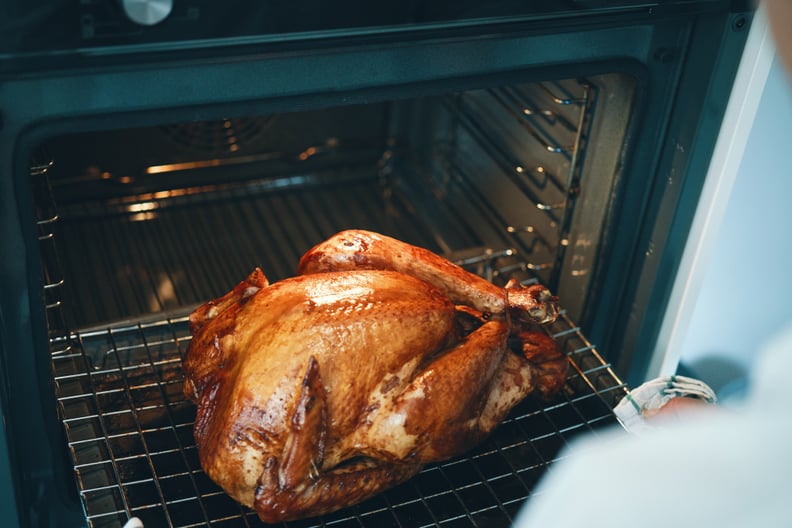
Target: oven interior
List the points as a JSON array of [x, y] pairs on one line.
[[137, 226]]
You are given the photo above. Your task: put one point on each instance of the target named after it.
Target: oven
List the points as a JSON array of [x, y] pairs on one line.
[[154, 153]]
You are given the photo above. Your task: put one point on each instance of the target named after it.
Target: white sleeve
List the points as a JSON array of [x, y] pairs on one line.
[[717, 467]]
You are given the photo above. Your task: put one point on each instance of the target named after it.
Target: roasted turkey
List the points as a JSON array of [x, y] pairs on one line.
[[318, 391]]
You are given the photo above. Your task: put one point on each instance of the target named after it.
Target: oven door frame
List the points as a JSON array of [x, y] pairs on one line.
[[693, 53]]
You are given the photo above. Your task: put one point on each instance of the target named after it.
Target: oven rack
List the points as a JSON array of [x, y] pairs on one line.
[[535, 137], [129, 432]]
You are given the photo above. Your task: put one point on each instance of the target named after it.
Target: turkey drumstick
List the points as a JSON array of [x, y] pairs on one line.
[[357, 249]]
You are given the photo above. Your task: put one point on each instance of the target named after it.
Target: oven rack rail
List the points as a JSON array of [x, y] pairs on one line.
[[537, 143], [129, 432]]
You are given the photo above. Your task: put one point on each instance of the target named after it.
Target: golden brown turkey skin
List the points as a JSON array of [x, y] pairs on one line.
[[319, 391]]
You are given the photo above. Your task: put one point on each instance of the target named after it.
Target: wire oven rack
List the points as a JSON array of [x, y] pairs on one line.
[[129, 430]]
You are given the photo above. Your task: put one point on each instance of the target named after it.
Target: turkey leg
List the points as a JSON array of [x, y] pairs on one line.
[[357, 249], [441, 406]]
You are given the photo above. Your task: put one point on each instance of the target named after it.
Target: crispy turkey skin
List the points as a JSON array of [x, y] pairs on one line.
[[318, 391]]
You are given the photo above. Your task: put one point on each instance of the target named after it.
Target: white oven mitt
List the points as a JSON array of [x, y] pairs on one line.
[[654, 394]]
